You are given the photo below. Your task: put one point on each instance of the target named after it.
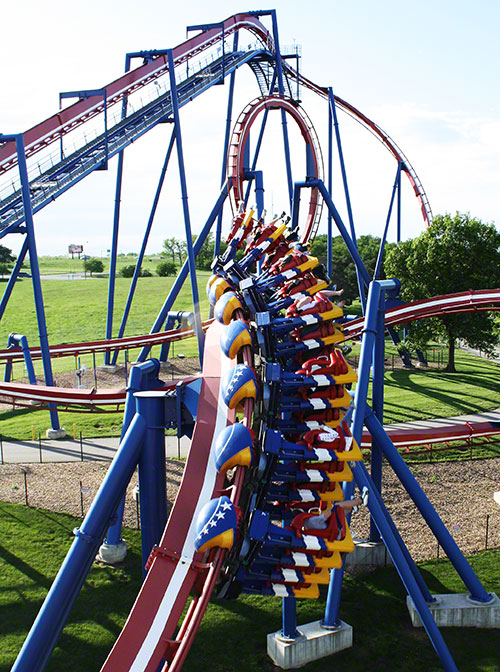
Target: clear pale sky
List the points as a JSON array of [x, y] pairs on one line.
[[426, 72]]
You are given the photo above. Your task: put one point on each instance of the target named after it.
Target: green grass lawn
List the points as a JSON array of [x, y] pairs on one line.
[[65, 264], [76, 312], [232, 637]]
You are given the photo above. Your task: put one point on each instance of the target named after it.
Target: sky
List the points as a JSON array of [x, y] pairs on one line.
[[426, 73]]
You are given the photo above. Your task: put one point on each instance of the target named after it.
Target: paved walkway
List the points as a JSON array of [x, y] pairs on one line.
[[103, 450], [69, 450]]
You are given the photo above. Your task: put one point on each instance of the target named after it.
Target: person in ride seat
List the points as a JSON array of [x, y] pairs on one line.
[[320, 522]]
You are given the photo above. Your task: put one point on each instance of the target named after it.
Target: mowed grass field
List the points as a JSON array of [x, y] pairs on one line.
[[232, 636], [76, 312]]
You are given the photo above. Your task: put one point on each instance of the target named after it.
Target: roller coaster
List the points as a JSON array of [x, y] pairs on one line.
[[276, 434]]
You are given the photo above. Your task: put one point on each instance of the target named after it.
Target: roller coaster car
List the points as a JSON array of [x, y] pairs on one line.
[[329, 362], [317, 305], [335, 531], [332, 392], [314, 439], [299, 284], [314, 331], [289, 261]]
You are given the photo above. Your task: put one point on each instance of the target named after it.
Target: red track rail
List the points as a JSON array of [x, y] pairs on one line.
[[236, 154], [125, 343], [149, 635], [462, 302], [75, 115]]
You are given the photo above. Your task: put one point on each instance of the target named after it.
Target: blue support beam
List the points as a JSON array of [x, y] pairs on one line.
[[35, 269], [183, 273], [145, 240], [477, 590], [142, 377], [333, 112], [187, 222], [50, 621], [380, 256], [227, 137]]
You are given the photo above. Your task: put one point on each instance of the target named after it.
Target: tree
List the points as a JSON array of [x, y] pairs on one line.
[[343, 267], [6, 260], [94, 266], [166, 268], [454, 254], [205, 256], [176, 249]]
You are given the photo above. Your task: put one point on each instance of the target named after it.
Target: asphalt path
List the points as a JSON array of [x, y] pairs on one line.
[[70, 450]]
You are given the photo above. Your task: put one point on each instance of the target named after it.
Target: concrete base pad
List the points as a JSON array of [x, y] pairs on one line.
[[315, 642], [459, 611], [368, 553], [56, 433], [112, 554], [109, 368]]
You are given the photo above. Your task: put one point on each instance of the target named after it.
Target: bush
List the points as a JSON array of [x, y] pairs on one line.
[[94, 266], [146, 273], [166, 268], [127, 271]]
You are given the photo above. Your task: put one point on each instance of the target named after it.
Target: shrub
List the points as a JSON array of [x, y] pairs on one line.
[[127, 271], [166, 268]]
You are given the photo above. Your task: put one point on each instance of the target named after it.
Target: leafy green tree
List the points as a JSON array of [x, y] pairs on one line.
[[205, 256], [344, 270], [176, 249], [6, 260], [166, 268], [454, 254], [94, 266]]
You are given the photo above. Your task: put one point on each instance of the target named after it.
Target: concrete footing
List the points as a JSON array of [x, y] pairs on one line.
[[368, 553], [109, 368], [56, 433], [459, 611], [112, 554], [314, 642]]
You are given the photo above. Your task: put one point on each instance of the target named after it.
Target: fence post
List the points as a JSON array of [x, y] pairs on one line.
[[487, 530], [25, 488], [81, 498]]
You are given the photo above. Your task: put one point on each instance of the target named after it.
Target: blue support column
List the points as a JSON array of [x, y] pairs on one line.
[[478, 593], [398, 232], [152, 473], [378, 402], [176, 287], [281, 90], [116, 225], [227, 137], [187, 223], [329, 251], [365, 360], [289, 623], [340, 226], [142, 377], [35, 269], [145, 240], [333, 107], [51, 619], [380, 256]]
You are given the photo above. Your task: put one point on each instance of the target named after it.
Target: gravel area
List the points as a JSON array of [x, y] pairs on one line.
[[461, 492]]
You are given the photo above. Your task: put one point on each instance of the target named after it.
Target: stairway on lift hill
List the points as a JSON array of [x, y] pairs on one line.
[[68, 171], [298, 449]]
